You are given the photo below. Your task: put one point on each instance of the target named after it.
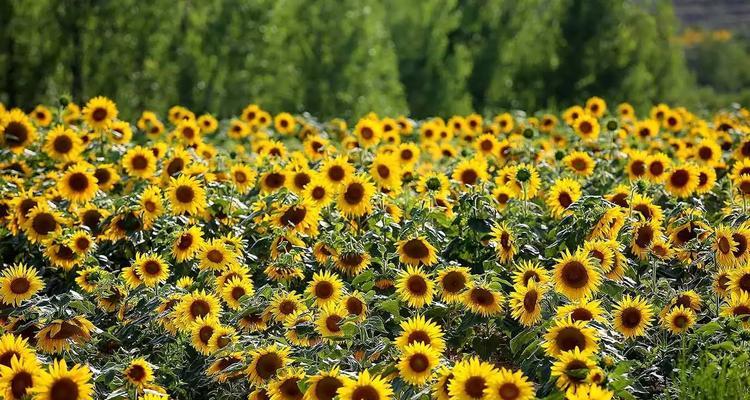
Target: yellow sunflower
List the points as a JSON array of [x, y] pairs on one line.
[[509, 385], [355, 197], [415, 287], [19, 377], [417, 362], [99, 112], [420, 329], [483, 301], [151, 268], [562, 194], [471, 380], [19, 283], [325, 288], [186, 195], [366, 387], [139, 162], [504, 241], [139, 373], [679, 320], [187, 243], [580, 163], [575, 276], [682, 180], [571, 369], [567, 335], [16, 131], [78, 183], [452, 281], [325, 384], [632, 316], [525, 303], [62, 144]]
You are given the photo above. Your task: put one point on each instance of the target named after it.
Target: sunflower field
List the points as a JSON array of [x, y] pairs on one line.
[[592, 254]]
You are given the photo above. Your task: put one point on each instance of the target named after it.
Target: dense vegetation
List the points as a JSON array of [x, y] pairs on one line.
[[348, 57]]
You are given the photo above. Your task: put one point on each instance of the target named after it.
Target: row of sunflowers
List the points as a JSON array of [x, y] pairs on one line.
[[578, 256]]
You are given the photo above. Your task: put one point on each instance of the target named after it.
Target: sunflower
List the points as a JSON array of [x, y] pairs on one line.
[[285, 304], [19, 283], [645, 234], [416, 251], [186, 195], [679, 319], [366, 387], [434, 184], [527, 271], [645, 207], [151, 268], [325, 384], [18, 378], [99, 112], [588, 392], [319, 191], [571, 369], [61, 255], [12, 346], [386, 171], [509, 385], [417, 362], [325, 288], [562, 194], [139, 373], [575, 276], [302, 216], [218, 368], [470, 172], [646, 129], [61, 383], [657, 166], [580, 163], [419, 329], [187, 243], [724, 246], [581, 310], [266, 362], [682, 180], [739, 280], [139, 162], [632, 316], [587, 127], [741, 238], [471, 380], [368, 132], [16, 131], [441, 385], [486, 145], [329, 322], [706, 179], [234, 289], [483, 301], [504, 241], [78, 183], [355, 197], [106, 176], [42, 223], [201, 332], [525, 303], [196, 305], [738, 306], [222, 337], [673, 121], [636, 167], [415, 287], [58, 335], [453, 281], [286, 384], [355, 305], [62, 144], [284, 123], [567, 335]]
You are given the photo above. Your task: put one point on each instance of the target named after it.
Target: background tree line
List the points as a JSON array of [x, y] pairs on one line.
[[347, 57]]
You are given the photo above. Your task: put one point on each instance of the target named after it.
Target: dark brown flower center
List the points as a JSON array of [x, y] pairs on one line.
[[62, 144], [575, 274]]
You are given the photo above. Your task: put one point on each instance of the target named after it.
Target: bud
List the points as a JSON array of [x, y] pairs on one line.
[[559, 155], [523, 175], [641, 186], [612, 125], [64, 100], [433, 183], [528, 133]]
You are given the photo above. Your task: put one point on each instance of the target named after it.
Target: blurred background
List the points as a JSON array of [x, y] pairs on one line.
[[348, 57]]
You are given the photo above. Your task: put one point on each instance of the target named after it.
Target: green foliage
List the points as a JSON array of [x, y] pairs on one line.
[[433, 57], [713, 378]]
